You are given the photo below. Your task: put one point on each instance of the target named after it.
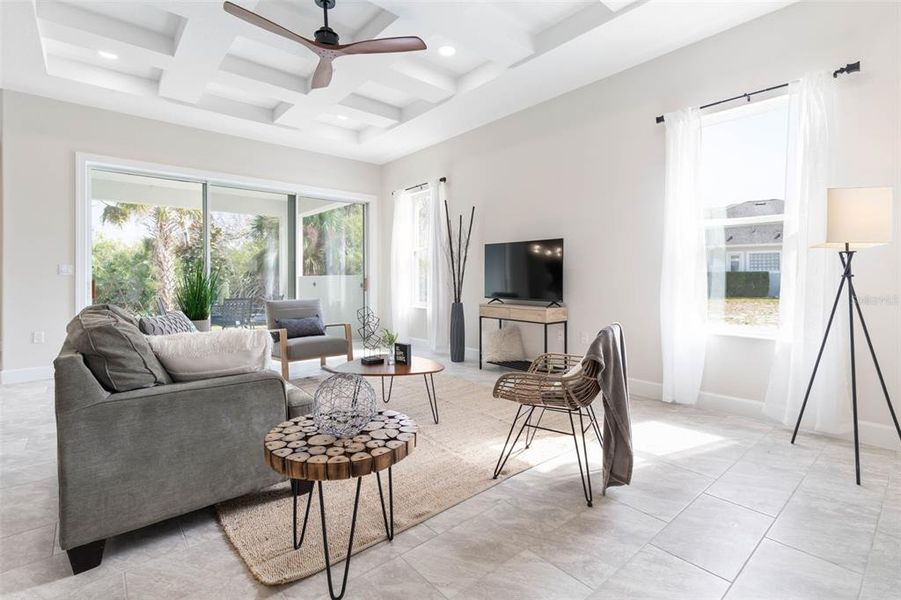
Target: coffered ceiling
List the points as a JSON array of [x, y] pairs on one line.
[[189, 62]]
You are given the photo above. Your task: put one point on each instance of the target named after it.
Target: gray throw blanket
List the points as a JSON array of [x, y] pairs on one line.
[[609, 351]]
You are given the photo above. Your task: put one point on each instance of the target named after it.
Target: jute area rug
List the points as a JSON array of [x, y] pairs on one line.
[[453, 461]]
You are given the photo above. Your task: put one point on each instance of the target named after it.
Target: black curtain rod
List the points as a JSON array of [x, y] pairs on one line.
[[419, 186], [848, 68]]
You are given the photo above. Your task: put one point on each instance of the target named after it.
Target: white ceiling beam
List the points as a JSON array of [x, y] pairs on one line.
[[127, 52], [57, 16], [199, 51]]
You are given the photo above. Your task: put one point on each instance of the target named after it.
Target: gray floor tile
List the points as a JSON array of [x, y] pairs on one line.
[[660, 489], [757, 485], [653, 574], [29, 546], [776, 571], [716, 535], [882, 579], [527, 577]]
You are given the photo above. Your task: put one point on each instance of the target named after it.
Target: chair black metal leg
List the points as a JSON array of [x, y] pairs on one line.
[[295, 492], [816, 365], [350, 543], [596, 425], [389, 527], [533, 429], [586, 476], [433, 395], [505, 453], [866, 333]]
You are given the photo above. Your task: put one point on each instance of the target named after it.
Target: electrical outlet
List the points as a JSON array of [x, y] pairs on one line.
[[65, 270], [585, 338], [37, 337]]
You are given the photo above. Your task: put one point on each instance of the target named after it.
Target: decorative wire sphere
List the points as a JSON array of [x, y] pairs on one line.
[[343, 405]]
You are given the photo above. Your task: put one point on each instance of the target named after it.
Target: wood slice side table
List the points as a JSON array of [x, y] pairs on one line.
[[308, 457], [417, 366]]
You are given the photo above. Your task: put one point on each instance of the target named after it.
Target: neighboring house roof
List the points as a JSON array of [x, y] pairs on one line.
[[751, 235]]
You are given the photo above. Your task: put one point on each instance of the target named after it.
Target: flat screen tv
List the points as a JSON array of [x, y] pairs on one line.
[[525, 271]]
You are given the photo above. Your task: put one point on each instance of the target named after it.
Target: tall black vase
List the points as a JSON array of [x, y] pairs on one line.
[[457, 333]]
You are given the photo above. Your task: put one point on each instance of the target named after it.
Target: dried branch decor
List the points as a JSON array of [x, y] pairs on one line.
[[457, 254]]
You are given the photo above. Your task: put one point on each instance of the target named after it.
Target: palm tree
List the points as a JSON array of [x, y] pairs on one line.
[[165, 226]]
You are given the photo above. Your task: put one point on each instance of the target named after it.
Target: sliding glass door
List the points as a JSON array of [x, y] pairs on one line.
[[144, 232], [331, 253], [251, 234]]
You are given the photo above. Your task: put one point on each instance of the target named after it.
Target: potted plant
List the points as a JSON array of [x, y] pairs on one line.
[[389, 339], [196, 293]]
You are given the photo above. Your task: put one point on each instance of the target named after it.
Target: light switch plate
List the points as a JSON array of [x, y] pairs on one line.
[[37, 337], [63, 269]]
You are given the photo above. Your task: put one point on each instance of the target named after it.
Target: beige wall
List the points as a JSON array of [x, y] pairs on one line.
[[589, 166], [40, 139]]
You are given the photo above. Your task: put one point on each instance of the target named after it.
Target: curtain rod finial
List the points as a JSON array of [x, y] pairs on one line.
[[443, 180], [848, 68]]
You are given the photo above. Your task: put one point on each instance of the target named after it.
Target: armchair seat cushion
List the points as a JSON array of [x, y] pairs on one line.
[[306, 348]]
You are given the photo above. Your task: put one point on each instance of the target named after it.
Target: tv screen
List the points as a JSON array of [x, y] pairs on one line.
[[525, 270]]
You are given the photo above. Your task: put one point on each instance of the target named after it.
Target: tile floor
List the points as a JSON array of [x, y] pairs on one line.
[[720, 507]]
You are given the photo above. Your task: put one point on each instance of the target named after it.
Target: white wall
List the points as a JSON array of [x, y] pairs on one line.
[[40, 138], [589, 166]]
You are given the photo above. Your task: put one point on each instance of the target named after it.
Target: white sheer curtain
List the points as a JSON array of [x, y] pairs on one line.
[[810, 277], [402, 263], [438, 307], [683, 282]]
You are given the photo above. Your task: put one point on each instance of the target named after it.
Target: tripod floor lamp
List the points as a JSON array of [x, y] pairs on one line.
[[857, 218]]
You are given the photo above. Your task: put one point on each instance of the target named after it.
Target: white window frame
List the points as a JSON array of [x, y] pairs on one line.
[[719, 327], [419, 247]]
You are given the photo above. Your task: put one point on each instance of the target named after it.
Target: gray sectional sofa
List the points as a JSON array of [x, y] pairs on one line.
[[129, 459]]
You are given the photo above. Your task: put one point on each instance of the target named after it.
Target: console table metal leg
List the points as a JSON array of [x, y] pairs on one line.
[[350, 543], [433, 395], [545, 338], [387, 399], [389, 525], [296, 485], [480, 343]]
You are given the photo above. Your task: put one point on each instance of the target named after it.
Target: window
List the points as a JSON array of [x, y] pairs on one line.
[[743, 170], [422, 250]]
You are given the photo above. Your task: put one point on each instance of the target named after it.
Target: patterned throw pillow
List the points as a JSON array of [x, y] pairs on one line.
[[301, 327], [173, 322]]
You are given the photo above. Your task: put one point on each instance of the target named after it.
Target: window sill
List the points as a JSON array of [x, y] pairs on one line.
[[755, 333], [419, 307]]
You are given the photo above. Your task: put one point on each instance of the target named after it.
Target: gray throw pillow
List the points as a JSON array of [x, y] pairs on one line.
[[172, 322], [301, 327], [114, 349]]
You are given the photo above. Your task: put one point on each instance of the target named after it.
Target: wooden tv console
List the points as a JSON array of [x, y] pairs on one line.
[[523, 313]]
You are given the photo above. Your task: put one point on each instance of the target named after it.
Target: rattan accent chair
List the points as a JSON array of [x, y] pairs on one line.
[[562, 383]]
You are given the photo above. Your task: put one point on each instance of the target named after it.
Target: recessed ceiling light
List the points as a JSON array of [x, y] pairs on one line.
[[447, 50], [107, 55], [342, 118]]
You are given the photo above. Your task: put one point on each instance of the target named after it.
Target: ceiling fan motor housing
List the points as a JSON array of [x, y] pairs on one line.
[[326, 35]]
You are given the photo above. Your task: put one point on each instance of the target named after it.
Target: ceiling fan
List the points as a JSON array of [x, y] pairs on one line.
[[326, 44]]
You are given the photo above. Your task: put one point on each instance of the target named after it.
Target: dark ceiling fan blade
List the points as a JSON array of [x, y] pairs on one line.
[[264, 23], [383, 45], [322, 76]]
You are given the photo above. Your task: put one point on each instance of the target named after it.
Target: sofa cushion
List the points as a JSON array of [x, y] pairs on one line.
[[172, 322], [114, 349], [305, 348], [204, 355], [304, 327]]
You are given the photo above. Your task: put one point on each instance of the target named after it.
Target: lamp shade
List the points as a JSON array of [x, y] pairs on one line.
[[859, 217]]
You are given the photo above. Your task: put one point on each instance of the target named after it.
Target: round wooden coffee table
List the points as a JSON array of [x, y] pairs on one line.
[[300, 452], [417, 366]]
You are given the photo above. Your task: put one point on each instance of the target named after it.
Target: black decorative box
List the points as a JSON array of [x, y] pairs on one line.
[[403, 354]]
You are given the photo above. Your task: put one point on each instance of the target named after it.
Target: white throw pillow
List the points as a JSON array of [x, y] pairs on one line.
[[196, 356], [501, 345]]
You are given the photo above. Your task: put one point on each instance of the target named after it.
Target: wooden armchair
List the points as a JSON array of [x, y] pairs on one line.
[[305, 348]]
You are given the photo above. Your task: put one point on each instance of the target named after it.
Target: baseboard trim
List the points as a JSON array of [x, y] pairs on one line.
[[25, 375], [873, 434]]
